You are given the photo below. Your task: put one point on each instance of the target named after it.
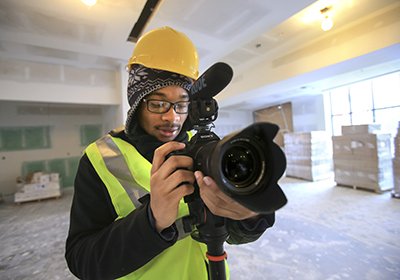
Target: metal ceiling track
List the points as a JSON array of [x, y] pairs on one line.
[[145, 16]]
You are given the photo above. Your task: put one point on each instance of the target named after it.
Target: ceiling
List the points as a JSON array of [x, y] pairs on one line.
[[239, 32]]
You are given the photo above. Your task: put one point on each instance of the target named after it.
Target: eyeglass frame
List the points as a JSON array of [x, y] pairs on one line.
[[171, 104]]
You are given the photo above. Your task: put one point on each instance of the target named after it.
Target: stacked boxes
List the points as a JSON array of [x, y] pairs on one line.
[[41, 186], [308, 155], [362, 158], [396, 165]]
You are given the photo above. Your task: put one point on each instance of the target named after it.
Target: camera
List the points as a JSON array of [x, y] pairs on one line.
[[245, 165]]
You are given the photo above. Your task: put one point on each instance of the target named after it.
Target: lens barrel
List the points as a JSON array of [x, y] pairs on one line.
[[241, 166], [246, 165]]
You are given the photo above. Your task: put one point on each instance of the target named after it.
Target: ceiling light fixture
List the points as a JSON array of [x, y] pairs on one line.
[[89, 3], [327, 22]]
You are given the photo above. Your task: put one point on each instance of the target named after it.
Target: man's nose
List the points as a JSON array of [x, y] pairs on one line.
[[171, 115]]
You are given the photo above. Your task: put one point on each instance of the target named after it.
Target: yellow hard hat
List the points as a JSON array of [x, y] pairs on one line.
[[167, 49]]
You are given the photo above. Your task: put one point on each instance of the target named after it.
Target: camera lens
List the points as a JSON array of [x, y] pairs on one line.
[[239, 164]]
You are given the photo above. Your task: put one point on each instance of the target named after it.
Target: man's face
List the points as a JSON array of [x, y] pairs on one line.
[[166, 126]]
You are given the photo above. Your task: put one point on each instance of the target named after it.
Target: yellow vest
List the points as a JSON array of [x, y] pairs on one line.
[[126, 174]]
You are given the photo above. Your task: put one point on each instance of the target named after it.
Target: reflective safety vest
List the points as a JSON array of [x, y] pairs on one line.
[[126, 174]]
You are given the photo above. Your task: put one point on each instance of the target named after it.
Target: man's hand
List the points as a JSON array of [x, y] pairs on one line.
[[218, 202], [171, 179]]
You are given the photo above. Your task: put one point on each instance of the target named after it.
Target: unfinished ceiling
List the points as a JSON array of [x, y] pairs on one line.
[[241, 33]]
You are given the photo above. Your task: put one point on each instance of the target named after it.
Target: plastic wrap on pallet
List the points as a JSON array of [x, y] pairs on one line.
[[308, 155], [360, 129], [363, 160]]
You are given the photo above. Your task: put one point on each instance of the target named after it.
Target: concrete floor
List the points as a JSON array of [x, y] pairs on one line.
[[324, 232]]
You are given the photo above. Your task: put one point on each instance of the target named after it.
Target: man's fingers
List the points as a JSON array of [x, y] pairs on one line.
[[176, 179], [161, 152], [182, 176], [175, 164], [218, 202], [183, 190]]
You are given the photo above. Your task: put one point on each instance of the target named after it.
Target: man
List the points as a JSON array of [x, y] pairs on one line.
[[126, 215]]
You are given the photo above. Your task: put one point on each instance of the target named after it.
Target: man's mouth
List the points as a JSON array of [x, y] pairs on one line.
[[168, 131]]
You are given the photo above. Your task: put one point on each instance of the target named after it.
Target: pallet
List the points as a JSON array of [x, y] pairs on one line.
[[378, 191], [36, 195], [37, 200], [395, 194], [315, 179]]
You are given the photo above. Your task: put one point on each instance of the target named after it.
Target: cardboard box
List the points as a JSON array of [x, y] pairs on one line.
[[303, 160], [319, 150], [36, 196], [355, 163], [311, 173], [44, 179], [378, 181], [360, 129], [310, 137], [308, 155], [365, 145], [54, 177], [363, 160], [31, 192], [396, 147], [36, 177], [396, 175]]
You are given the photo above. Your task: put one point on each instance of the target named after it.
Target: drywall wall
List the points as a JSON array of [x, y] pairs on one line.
[[41, 82], [64, 123], [232, 120], [308, 113]]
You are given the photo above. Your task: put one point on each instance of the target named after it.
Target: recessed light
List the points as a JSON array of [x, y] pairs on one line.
[[89, 3]]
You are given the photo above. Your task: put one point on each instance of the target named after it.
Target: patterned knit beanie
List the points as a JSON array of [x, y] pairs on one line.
[[143, 81]]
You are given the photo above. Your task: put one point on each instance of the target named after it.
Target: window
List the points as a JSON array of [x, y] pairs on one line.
[[386, 90], [361, 102], [375, 100]]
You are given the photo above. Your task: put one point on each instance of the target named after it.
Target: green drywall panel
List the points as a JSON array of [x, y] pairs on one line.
[[36, 137], [32, 167], [33, 138], [65, 167], [72, 164], [11, 139], [90, 133], [58, 166], [24, 138]]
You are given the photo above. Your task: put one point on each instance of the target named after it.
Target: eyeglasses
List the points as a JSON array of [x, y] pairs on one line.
[[163, 106]]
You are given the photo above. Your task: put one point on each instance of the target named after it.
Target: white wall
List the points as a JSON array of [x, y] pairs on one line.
[[232, 120], [309, 113], [41, 82], [64, 135], [76, 96]]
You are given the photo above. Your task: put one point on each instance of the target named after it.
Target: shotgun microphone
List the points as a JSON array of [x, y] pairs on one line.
[[212, 81]]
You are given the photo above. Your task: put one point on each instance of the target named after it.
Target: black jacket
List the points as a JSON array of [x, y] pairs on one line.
[[98, 247]]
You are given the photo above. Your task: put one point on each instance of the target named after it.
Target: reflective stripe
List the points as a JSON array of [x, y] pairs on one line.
[[112, 151], [116, 164], [181, 231]]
